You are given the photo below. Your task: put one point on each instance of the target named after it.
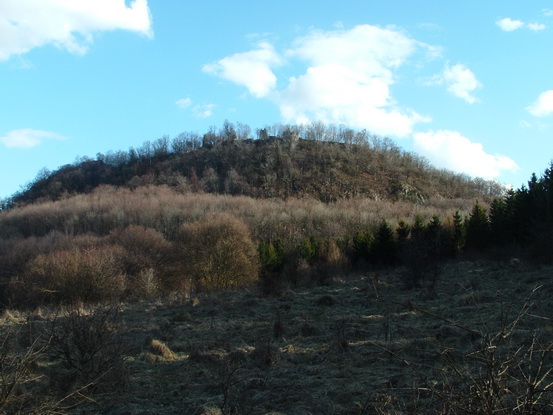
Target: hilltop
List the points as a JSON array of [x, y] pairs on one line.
[[300, 162]]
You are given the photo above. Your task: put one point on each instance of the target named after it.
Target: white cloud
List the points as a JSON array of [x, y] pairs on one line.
[[198, 110], [547, 12], [250, 69], [543, 106], [70, 25], [536, 27], [348, 79], [461, 82], [339, 76], [27, 138], [203, 110], [508, 25], [450, 150], [183, 103]]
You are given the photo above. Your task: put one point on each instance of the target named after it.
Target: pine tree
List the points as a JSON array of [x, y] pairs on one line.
[[417, 229], [362, 246], [402, 231], [458, 238], [384, 248], [478, 229], [433, 234], [499, 229]]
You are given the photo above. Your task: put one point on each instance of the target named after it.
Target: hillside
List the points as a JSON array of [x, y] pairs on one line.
[[322, 166]]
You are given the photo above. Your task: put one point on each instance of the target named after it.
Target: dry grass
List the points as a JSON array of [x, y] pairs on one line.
[[338, 349]]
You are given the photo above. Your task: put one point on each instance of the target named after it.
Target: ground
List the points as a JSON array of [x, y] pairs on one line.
[[363, 344]]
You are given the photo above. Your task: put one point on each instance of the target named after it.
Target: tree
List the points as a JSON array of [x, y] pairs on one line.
[[272, 255], [402, 231], [384, 248], [417, 229], [458, 237], [434, 236], [362, 246], [499, 223], [478, 229]]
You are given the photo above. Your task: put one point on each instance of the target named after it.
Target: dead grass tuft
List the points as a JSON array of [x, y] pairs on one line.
[[160, 349]]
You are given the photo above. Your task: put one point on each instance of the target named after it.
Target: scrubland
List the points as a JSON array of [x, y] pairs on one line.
[[479, 341]]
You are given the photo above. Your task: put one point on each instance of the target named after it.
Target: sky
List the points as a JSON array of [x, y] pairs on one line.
[[468, 85]]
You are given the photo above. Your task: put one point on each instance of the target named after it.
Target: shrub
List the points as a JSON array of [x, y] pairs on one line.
[[91, 349], [71, 276], [215, 253], [146, 248], [17, 375], [147, 255]]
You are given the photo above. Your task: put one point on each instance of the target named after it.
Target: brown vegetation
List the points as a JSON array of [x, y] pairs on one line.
[[362, 345], [213, 254], [326, 163]]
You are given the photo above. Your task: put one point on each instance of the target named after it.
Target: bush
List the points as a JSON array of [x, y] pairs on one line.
[[147, 254], [91, 350], [18, 379], [71, 276], [215, 253]]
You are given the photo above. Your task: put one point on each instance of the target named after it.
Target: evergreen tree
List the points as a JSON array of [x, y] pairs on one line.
[[402, 231], [271, 255], [433, 235], [362, 246], [384, 248], [478, 229], [499, 223], [417, 229], [458, 238], [309, 249]]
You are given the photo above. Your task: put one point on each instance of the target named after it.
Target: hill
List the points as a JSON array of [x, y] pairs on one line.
[[327, 166]]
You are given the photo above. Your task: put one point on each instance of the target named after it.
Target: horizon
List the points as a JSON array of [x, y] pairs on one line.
[[466, 86]]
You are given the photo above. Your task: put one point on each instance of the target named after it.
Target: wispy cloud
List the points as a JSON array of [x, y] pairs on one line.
[[509, 25], [69, 25], [450, 150], [183, 103], [28, 138], [536, 27], [198, 110], [543, 105], [203, 110]]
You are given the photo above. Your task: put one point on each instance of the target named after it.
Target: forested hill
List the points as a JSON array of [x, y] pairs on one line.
[[324, 163]]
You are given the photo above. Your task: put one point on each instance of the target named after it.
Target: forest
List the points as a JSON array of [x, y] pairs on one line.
[[155, 220]]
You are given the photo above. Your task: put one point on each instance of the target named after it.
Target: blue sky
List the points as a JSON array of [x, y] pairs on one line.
[[468, 85]]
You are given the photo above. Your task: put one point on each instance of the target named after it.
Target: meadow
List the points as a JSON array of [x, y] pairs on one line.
[[478, 342]]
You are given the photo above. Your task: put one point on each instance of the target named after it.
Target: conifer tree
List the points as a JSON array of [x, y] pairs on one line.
[[458, 238], [499, 223], [362, 246], [417, 229], [434, 236], [478, 228], [402, 231], [384, 248]]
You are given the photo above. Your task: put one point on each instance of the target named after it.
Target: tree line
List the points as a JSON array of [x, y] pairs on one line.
[[325, 162]]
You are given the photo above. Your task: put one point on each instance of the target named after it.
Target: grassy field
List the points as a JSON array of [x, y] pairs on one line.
[[480, 341]]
